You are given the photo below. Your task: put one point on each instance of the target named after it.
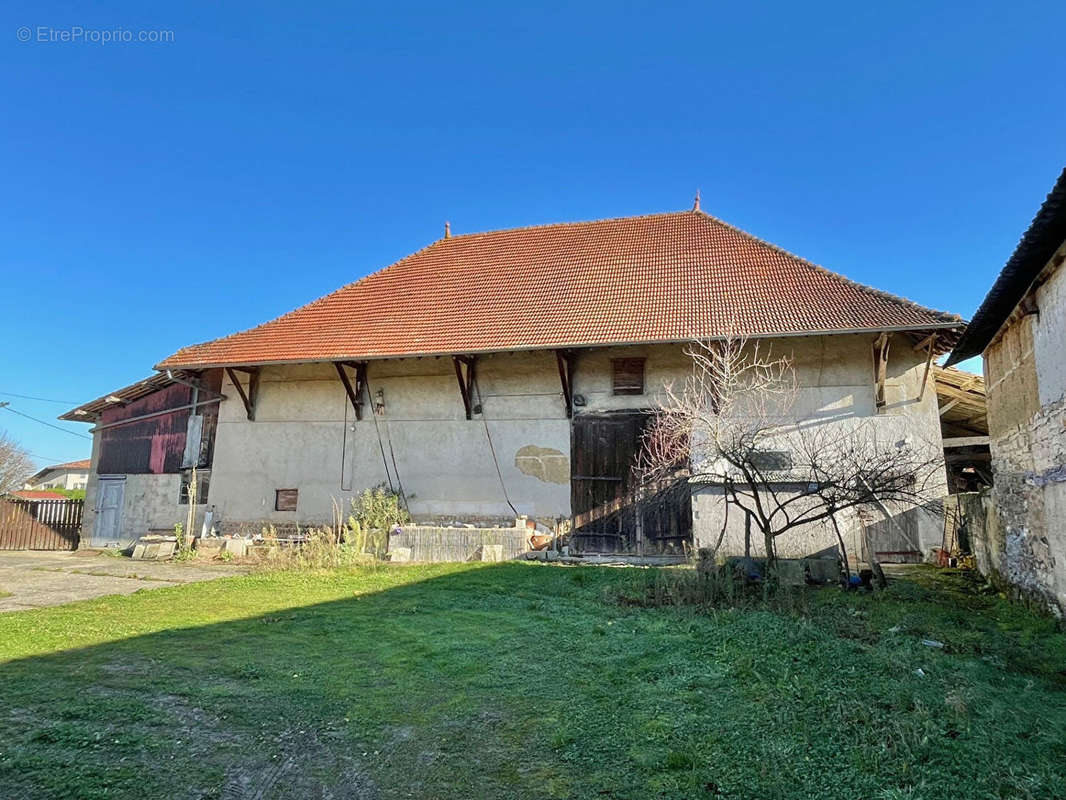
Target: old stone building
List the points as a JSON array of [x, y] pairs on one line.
[[507, 373], [1020, 329]]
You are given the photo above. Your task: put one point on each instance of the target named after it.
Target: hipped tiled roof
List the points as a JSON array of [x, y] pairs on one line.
[[662, 277]]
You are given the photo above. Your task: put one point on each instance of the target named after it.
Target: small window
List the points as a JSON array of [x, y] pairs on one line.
[[627, 376], [203, 483], [285, 499]]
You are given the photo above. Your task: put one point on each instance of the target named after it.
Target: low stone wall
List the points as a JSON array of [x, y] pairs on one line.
[[424, 543]]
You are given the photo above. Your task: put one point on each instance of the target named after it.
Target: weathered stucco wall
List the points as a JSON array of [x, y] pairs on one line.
[[1025, 371], [305, 435], [835, 378]]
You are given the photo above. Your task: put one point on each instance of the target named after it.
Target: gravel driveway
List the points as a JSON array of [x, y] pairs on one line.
[[38, 579]]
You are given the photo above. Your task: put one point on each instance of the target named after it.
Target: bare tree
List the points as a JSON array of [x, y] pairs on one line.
[[15, 464], [733, 424]]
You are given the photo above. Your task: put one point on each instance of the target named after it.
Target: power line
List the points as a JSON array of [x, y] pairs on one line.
[[46, 458], [42, 422], [42, 399]]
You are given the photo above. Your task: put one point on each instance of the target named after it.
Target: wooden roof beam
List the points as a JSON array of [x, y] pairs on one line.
[[466, 380], [249, 397]]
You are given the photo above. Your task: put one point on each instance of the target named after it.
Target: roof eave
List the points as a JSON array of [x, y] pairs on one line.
[[937, 326]]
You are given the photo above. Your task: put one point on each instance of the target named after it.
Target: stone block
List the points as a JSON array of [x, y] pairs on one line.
[[492, 552], [399, 554], [153, 548], [210, 547], [238, 547]]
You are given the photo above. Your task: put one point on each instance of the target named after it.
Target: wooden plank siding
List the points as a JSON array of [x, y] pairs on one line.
[[40, 525], [156, 445], [611, 512]]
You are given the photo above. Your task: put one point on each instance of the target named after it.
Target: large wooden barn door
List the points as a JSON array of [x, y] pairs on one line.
[[603, 450]]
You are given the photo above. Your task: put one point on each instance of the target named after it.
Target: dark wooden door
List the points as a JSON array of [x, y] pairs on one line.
[[603, 451]]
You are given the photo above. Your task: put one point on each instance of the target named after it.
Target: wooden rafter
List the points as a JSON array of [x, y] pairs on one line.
[[880, 369], [566, 360], [944, 409], [250, 396], [466, 380], [965, 441], [357, 392]]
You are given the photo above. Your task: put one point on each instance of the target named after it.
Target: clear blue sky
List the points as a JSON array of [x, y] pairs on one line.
[[161, 194]]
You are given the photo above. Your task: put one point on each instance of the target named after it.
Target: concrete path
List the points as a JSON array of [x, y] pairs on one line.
[[38, 579]]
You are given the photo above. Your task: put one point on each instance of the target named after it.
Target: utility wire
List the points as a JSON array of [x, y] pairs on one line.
[[46, 458], [42, 399], [492, 450], [49, 424]]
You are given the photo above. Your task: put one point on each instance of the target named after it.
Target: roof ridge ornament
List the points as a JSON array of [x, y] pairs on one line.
[[696, 202], [447, 230]]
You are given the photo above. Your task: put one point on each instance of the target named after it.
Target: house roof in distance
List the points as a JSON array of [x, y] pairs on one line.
[[1045, 235], [73, 466], [37, 494], [657, 278]]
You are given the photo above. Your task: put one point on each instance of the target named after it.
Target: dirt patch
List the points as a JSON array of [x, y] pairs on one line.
[[300, 764]]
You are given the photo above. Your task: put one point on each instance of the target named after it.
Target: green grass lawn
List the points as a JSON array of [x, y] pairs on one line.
[[528, 681]]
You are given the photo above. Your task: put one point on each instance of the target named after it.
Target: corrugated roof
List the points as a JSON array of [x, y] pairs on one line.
[[88, 412], [662, 277], [1045, 235]]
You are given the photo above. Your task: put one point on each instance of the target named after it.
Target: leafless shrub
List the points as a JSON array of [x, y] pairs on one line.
[[733, 424], [15, 464]]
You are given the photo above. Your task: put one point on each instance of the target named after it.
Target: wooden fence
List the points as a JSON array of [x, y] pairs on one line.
[[40, 525]]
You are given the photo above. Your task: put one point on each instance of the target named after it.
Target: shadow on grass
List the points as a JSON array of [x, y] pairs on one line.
[[513, 680]]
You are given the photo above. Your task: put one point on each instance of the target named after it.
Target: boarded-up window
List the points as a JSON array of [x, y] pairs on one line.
[[627, 376], [771, 460], [285, 499]]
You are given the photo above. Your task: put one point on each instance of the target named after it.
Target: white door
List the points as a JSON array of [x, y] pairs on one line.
[[111, 494]]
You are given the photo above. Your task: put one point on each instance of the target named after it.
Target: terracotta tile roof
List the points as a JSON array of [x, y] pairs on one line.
[[661, 277], [82, 464], [37, 494]]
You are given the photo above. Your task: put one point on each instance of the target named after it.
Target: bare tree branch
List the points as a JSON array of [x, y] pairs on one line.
[[733, 424], [15, 464]]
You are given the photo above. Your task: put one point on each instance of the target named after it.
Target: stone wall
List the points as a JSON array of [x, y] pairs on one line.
[[1025, 372]]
